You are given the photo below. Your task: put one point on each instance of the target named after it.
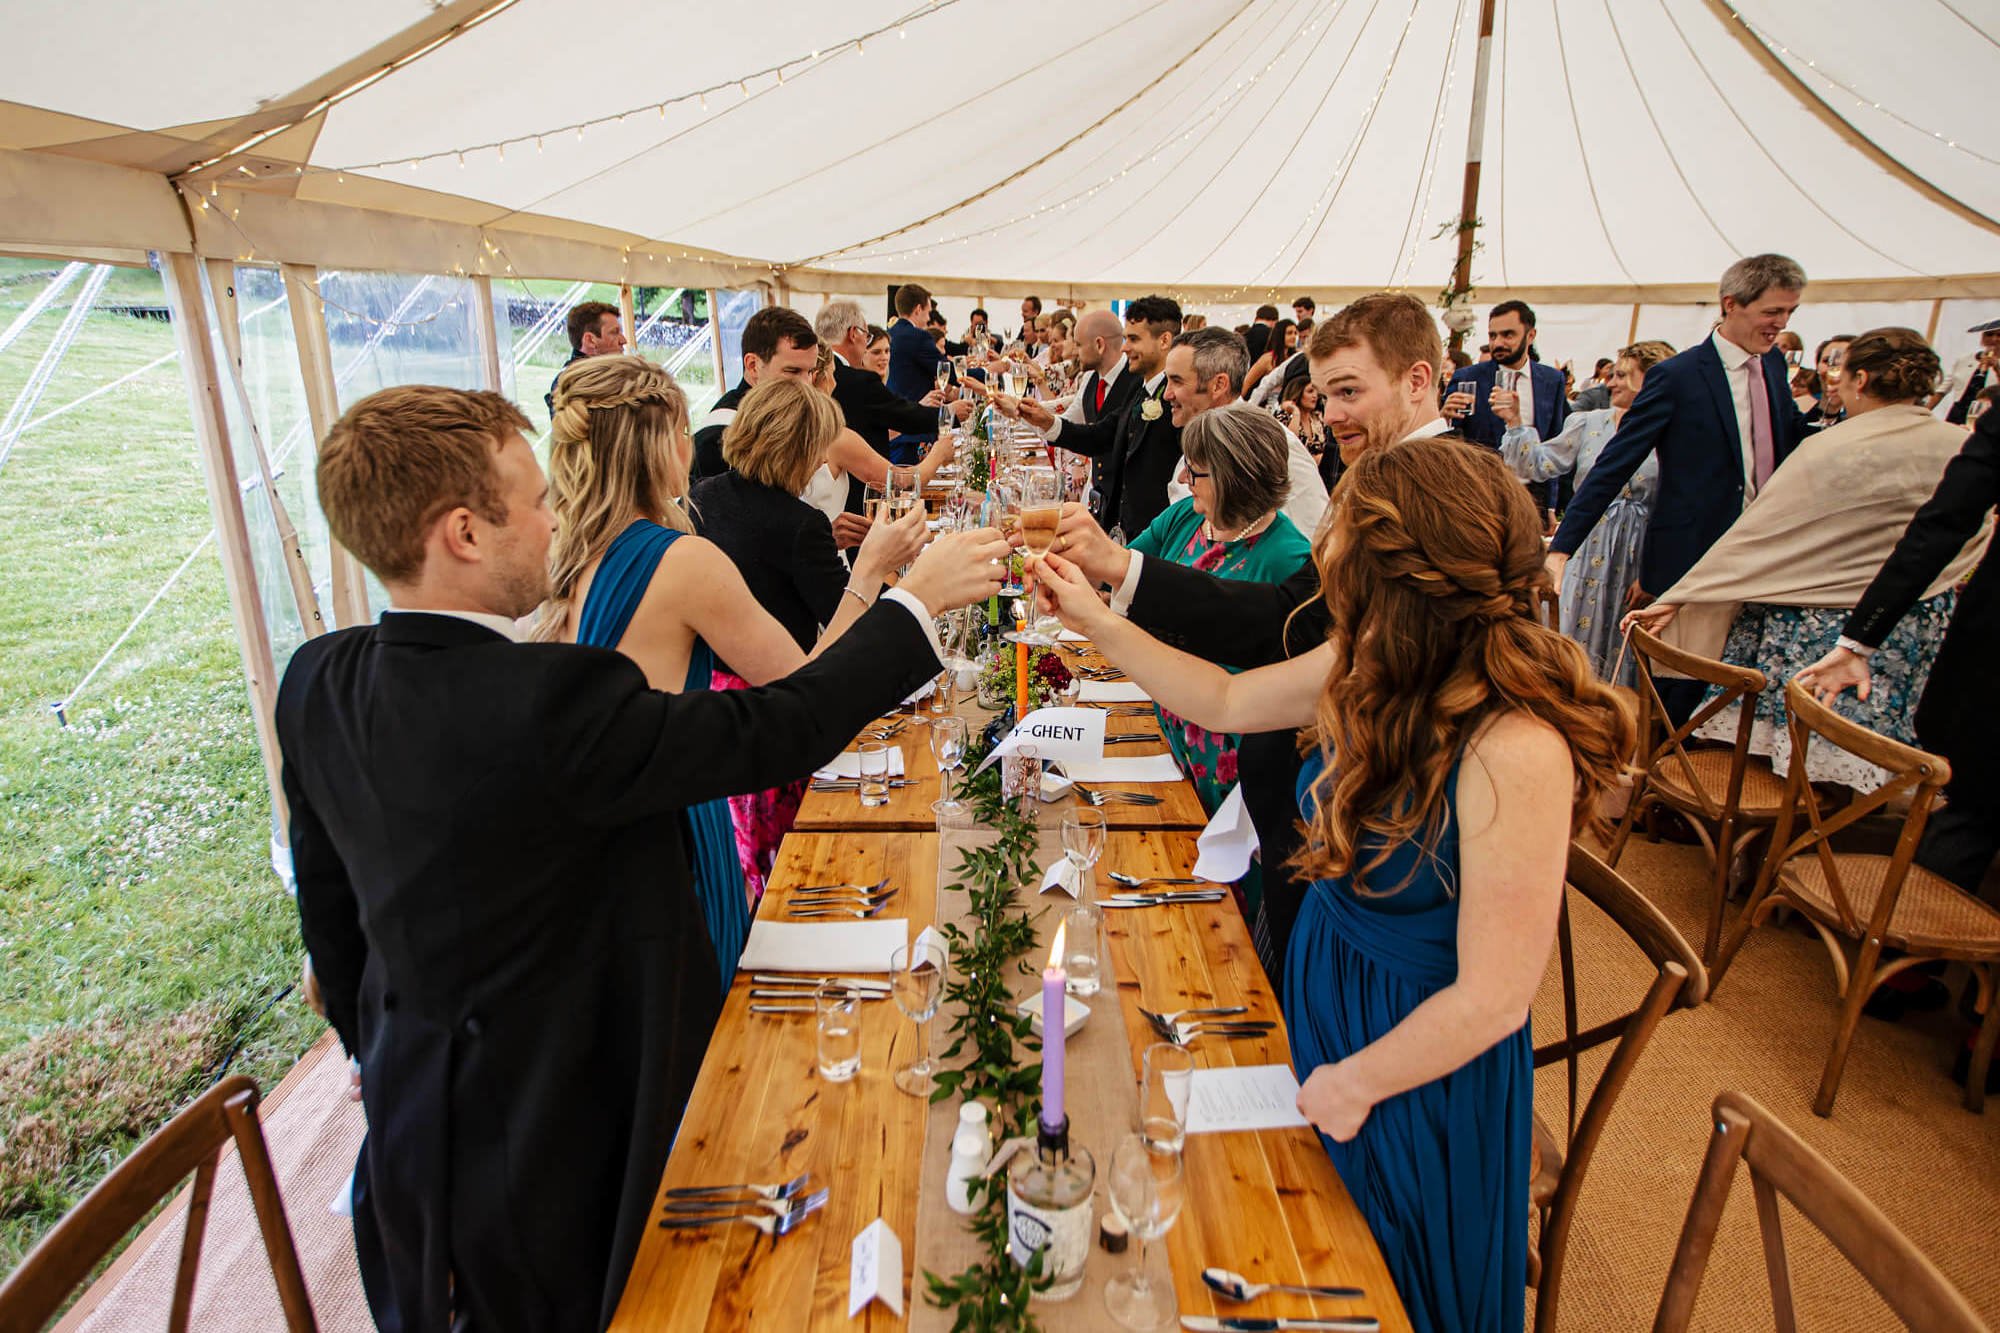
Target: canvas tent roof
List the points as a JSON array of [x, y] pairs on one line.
[[1219, 148]]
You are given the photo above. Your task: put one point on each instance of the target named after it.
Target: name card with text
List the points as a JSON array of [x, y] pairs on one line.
[[877, 1270], [1054, 733]]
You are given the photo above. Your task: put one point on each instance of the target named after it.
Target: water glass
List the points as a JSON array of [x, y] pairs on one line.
[[1083, 843], [874, 785], [917, 977], [1083, 945], [839, 1016], [1148, 1185], [1163, 1094]]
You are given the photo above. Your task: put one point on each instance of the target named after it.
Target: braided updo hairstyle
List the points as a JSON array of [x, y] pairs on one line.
[[1900, 365], [617, 451], [1431, 564]]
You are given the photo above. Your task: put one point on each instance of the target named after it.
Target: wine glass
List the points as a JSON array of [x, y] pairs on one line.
[[948, 748], [1148, 1185], [1083, 843], [1041, 515], [916, 973]]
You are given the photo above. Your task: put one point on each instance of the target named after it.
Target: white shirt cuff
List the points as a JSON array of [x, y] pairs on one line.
[[1121, 596], [910, 602], [1855, 646], [1053, 433]]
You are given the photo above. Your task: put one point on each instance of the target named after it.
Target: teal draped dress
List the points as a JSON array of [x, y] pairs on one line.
[[623, 576], [1440, 1172]]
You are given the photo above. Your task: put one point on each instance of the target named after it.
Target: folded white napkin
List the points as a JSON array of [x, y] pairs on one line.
[[1228, 842], [1111, 692], [848, 765], [1144, 768], [814, 946]]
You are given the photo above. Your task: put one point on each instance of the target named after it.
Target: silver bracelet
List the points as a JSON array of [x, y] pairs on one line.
[[865, 603]]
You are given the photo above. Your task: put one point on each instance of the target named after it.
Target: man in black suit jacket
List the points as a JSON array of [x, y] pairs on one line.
[[1106, 388], [1140, 447], [1955, 716], [1376, 365], [777, 340], [492, 880], [872, 411]]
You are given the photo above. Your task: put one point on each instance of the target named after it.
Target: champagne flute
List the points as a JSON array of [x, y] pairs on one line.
[[943, 375], [948, 748], [1041, 515], [916, 973], [1148, 1185], [1083, 843]]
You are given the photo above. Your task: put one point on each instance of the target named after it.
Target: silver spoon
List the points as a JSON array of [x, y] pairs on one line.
[[1239, 1288]]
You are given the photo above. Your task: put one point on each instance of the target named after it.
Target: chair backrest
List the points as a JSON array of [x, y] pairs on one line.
[[191, 1142], [1663, 746], [1548, 606], [1917, 772], [1679, 983], [1782, 1164]]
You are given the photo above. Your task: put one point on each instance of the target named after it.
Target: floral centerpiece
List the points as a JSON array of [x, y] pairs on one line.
[[1048, 676]]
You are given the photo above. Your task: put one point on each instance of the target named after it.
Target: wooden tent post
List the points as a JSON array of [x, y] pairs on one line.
[[1475, 148], [1632, 329], [350, 590], [486, 332], [1930, 329], [715, 340], [225, 502], [626, 314]]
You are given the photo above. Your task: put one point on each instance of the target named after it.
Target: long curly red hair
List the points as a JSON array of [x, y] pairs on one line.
[[1431, 566]]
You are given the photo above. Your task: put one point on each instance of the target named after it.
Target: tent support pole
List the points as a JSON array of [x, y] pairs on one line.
[[225, 501], [627, 315], [1632, 329], [486, 332], [350, 591], [715, 339], [1475, 147], [1930, 329]]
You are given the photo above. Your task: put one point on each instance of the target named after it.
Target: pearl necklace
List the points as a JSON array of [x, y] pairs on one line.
[[1215, 535]]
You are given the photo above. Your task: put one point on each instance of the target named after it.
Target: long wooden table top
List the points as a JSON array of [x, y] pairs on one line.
[[1267, 1205]]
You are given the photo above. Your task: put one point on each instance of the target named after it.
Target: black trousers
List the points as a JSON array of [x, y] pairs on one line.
[[1963, 836]]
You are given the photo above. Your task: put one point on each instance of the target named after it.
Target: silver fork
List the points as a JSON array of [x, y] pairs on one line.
[[877, 886], [1102, 798], [1183, 1033], [1140, 881], [1165, 1021], [860, 913], [783, 1191], [764, 1222], [798, 1203]]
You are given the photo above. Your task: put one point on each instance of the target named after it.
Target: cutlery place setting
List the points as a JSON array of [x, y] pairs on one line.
[[774, 1210], [854, 784], [1139, 891], [1100, 798], [860, 901], [794, 993]]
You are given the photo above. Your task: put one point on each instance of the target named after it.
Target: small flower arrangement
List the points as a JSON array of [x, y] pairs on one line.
[[1048, 676]]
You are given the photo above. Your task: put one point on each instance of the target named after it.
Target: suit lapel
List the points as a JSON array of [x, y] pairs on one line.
[[1716, 380]]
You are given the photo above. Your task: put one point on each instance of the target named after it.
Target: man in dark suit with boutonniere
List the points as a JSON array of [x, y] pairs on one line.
[[492, 875]]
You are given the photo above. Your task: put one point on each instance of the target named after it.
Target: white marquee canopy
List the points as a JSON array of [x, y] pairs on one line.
[[1223, 149]]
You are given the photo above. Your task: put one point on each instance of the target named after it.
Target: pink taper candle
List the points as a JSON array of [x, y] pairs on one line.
[[1054, 1012]]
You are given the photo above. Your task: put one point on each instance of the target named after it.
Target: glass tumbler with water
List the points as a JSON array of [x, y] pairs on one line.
[[1083, 945], [839, 1011], [874, 766], [1163, 1096]]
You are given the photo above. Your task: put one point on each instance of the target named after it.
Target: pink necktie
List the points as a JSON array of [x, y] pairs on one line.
[[1762, 451]]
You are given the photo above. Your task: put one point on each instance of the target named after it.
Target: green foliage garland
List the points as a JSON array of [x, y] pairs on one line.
[[993, 1293]]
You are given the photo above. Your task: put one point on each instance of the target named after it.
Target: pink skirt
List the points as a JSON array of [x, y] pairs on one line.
[[762, 818]]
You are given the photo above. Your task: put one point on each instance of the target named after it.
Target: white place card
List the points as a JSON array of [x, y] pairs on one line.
[[876, 1271], [1111, 692], [1243, 1097], [1055, 733], [1063, 877], [1126, 768], [848, 765], [823, 946]]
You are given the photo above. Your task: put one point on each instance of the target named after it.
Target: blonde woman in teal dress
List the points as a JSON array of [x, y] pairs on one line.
[[1231, 527], [1598, 585]]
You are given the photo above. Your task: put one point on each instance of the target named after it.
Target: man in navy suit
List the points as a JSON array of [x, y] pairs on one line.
[[913, 363], [1721, 418], [1537, 397]]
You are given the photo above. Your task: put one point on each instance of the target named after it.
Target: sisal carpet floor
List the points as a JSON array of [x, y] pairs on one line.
[[1897, 1131]]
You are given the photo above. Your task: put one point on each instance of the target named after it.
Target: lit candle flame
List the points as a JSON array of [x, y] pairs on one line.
[[1056, 946]]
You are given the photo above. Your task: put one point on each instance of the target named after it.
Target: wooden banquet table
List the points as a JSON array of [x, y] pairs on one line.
[[1266, 1204]]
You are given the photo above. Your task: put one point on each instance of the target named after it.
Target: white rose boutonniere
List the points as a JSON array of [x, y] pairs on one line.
[[1150, 409]]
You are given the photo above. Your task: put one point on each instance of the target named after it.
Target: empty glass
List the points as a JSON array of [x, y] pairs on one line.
[[1083, 844], [1148, 1185], [1163, 1094], [839, 1009], [917, 976], [874, 764], [948, 748], [1083, 950]]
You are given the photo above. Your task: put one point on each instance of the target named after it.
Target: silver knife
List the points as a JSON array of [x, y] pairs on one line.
[[758, 993], [1203, 1323], [811, 979]]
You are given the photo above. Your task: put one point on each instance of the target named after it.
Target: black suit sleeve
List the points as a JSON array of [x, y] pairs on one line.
[[868, 402], [622, 752], [1229, 621], [1644, 423], [1094, 439], [329, 915], [816, 566], [1940, 530]]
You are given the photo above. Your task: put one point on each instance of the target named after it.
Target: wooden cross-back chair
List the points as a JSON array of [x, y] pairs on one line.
[[1781, 1164], [1727, 795], [190, 1143], [1679, 983], [1877, 902], [1548, 606]]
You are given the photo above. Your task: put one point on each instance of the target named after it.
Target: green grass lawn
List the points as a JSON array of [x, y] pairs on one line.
[[143, 934]]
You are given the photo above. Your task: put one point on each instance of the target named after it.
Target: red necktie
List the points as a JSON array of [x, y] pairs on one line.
[[1100, 393]]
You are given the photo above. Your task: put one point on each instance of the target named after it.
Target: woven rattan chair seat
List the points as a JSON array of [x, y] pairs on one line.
[[1931, 912]]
